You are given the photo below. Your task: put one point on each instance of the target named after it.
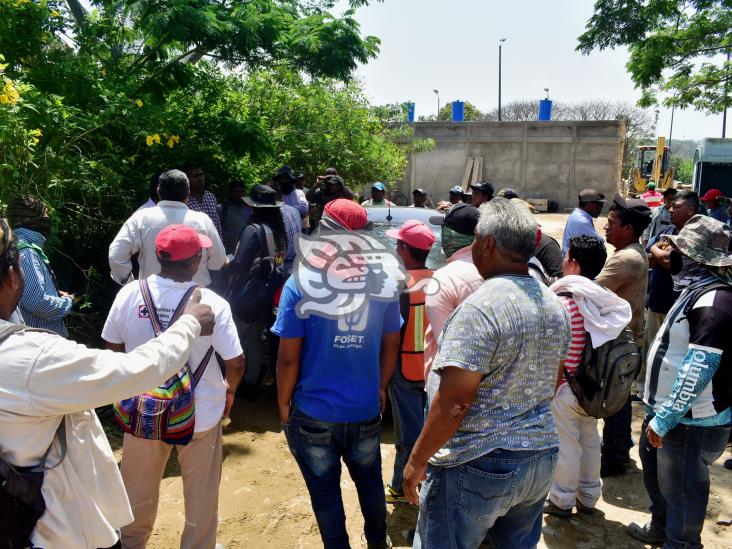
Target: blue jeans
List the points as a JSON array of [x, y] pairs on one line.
[[677, 480], [407, 404], [616, 437], [499, 496], [318, 447]]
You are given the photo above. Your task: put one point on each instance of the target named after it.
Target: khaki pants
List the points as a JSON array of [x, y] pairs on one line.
[[577, 476], [143, 464]]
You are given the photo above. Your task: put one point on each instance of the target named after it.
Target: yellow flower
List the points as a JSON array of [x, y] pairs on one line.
[[156, 138], [55, 13], [36, 133], [9, 94], [172, 141], [139, 103], [149, 140]]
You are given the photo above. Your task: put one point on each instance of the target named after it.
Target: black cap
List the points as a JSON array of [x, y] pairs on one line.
[[635, 205], [461, 218], [420, 191], [670, 192], [508, 193], [591, 195], [484, 187]]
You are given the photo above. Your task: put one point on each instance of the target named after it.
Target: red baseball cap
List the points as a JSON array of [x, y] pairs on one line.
[[711, 194], [179, 242], [415, 233], [346, 212]]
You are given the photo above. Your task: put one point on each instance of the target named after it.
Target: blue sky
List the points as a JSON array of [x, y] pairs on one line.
[[453, 47]]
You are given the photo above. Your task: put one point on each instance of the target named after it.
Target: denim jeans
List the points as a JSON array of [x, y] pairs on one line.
[[676, 477], [318, 447], [407, 403], [499, 496], [616, 438]]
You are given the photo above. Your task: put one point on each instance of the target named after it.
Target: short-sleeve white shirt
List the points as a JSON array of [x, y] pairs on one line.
[[128, 323]]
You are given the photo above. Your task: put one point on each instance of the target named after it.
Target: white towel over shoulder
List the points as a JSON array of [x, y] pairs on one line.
[[604, 312]]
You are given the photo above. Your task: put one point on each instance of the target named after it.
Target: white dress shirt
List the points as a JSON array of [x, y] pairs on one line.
[[138, 234]]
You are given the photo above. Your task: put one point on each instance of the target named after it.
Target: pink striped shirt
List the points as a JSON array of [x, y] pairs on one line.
[[579, 336]]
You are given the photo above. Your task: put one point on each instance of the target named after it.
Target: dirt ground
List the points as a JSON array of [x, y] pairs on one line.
[[264, 503]]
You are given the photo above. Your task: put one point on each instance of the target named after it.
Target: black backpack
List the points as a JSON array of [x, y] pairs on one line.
[[21, 500], [605, 376], [252, 296]]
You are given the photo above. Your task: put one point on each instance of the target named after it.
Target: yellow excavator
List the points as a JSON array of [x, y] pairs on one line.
[[652, 164]]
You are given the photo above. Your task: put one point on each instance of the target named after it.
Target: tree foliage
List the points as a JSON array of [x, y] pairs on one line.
[[676, 46], [94, 102]]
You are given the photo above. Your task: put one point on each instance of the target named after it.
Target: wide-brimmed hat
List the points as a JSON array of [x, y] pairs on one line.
[[262, 196], [705, 240]]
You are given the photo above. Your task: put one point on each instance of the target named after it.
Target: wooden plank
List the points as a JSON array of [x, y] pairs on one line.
[[539, 204], [478, 169], [468, 170]]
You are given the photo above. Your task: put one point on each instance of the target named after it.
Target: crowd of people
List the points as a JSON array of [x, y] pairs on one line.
[[485, 361]]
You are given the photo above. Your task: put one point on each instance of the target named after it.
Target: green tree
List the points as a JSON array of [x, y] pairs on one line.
[[470, 112], [92, 102], [676, 46]]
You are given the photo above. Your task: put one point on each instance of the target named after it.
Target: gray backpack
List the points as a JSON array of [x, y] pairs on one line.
[[605, 377]]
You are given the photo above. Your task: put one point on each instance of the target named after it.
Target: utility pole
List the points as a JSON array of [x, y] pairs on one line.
[[437, 93], [671, 129], [724, 114], [500, 45]]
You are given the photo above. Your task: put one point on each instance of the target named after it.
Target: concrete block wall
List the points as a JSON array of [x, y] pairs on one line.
[[553, 160]]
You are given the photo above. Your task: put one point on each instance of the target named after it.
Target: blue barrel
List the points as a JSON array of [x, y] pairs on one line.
[[458, 111], [410, 112], [545, 110]]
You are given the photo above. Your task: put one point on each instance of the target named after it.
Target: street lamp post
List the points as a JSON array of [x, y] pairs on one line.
[[437, 93], [500, 45], [724, 115]]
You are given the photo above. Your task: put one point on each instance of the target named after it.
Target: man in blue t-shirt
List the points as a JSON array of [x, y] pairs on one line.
[[339, 328]]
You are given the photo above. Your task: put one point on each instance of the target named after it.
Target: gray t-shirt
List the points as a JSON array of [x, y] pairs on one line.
[[515, 332]]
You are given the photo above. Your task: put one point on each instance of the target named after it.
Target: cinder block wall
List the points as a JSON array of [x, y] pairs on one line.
[[552, 160]]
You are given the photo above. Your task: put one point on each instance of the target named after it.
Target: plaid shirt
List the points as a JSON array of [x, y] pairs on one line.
[[209, 206], [293, 227]]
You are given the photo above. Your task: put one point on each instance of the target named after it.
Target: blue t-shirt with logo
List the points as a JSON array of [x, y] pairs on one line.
[[340, 358]]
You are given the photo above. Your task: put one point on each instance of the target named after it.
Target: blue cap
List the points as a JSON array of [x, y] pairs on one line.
[[457, 189], [378, 186]]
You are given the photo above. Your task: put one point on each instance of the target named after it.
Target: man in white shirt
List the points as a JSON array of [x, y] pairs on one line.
[[179, 249], [137, 235], [46, 379]]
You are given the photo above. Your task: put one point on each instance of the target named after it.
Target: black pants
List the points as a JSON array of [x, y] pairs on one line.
[[616, 438]]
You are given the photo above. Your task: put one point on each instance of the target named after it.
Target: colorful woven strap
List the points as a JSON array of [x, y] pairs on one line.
[[158, 328], [153, 311]]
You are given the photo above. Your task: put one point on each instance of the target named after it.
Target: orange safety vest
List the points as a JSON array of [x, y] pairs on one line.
[[412, 349]]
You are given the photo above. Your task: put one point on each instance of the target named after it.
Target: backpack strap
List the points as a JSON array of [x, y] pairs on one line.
[[198, 372], [8, 328], [153, 311], [157, 326], [696, 294]]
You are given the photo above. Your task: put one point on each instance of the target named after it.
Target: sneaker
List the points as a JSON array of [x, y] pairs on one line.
[[394, 497], [728, 464], [584, 509], [551, 509], [646, 533]]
